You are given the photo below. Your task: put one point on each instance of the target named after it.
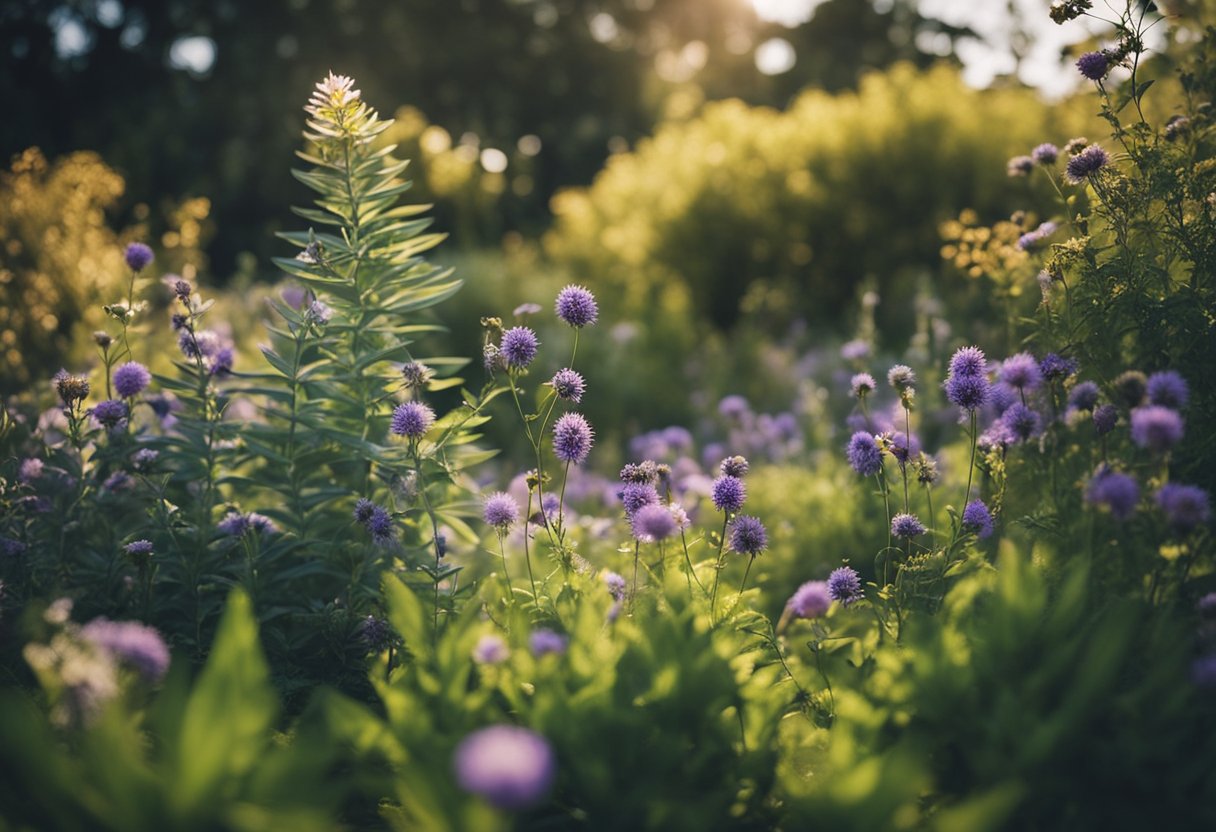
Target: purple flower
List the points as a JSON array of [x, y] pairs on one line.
[[377, 633], [576, 306], [748, 536], [977, 519], [1118, 492], [645, 471], [855, 350], [138, 256], [811, 600], [510, 767], [525, 309], [30, 470], [844, 585], [500, 511], [1057, 367], [363, 510], [139, 548], [734, 407], [901, 377], [1184, 506], [1085, 164], [1045, 154], [1001, 397], [1155, 427], [1084, 396], [1203, 671], [1093, 65], [412, 419], [653, 523], [968, 361], [1105, 419], [734, 466], [616, 585], [1033, 239], [728, 493], [380, 526], [906, 526], [236, 524], [1022, 422], [130, 643], [636, 495], [568, 385], [1019, 166], [518, 346], [864, 454], [1021, 371], [110, 412], [572, 438], [490, 649], [144, 459], [862, 385], [967, 391], [131, 378], [1168, 389], [544, 641]]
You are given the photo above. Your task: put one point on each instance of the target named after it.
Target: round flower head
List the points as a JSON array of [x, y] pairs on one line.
[[728, 493], [862, 385], [71, 389], [748, 536], [568, 385], [811, 600], [967, 391], [616, 584], [968, 361], [139, 548], [500, 511], [518, 346], [490, 649], [576, 306], [653, 523], [844, 585], [110, 412], [636, 495], [734, 407], [977, 519], [544, 641], [1168, 389], [412, 419], [509, 767], [363, 510], [416, 375], [926, 469], [906, 526], [1093, 65], [1022, 422], [1085, 164], [1117, 492], [30, 470], [1105, 419], [572, 438], [1084, 396], [734, 466], [855, 350], [1057, 367], [131, 643], [1184, 506], [645, 471], [380, 526], [1019, 166], [1021, 371], [1155, 427], [901, 377], [1045, 154], [864, 454], [138, 256], [130, 379]]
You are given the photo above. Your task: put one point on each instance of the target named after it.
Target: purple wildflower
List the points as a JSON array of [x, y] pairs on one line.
[[1085, 164], [1045, 154], [380, 526], [864, 454], [862, 385], [130, 643], [1057, 367], [977, 519], [500, 511], [138, 256], [377, 633], [811, 600], [1022, 422], [1118, 492], [1033, 239], [1168, 389], [491, 649], [110, 412], [855, 350], [1093, 65], [967, 391], [906, 526], [734, 466], [1021, 371], [412, 419], [576, 306], [1184, 506], [636, 495], [510, 767], [1019, 166], [139, 548], [131, 378], [1084, 396], [544, 641], [363, 510], [572, 438], [734, 407], [844, 585], [518, 346], [416, 375], [616, 585], [1105, 419], [568, 385], [748, 536], [653, 523], [968, 361], [728, 493], [30, 470], [1155, 427], [901, 377]]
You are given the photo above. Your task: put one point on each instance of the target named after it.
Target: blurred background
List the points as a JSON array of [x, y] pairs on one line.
[[730, 176]]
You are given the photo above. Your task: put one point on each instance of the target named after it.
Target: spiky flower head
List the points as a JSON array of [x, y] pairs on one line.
[[377, 633], [1117, 492], [969, 392], [572, 438], [508, 767], [110, 412], [333, 98], [902, 378], [72, 389], [864, 454], [1155, 427], [1023, 422], [748, 535], [968, 361], [1057, 367], [130, 379], [862, 385], [1185, 506], [844, 585], [811, 600], [653, 523], [636, 495], [1093, 65], [518, 346], [645, 471], [139, 549], [906, 526], [1105, 419], [412, 419], [977, 519], [926, 469], [1168, 389], [138, 256], [1085, 164], [500, 511], [1021, 371], [363, 509], [568, 385], [576, 306], [1019, 166], [380, 526], [1045, 154], [1084, 396], [1076, 145], [734, 466], [728, 493], [416, 375]]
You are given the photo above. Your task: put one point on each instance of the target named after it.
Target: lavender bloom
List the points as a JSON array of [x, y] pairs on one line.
[[734, 466], [1093, 65], [844, 585], [544, 641], [130, 643], [1084, 396], [491, 649], [748, 536], [220, 364], [728, 493], [1045, 154], [967, 391], [568, 385], [144, 459], [138, 256], [1118, 492], [906, 526], [811, 600], [1085, 164], [1022, 422], [1019, 166], [380, 526], [1033, 239], [1021, 371], [110, 412], [1001, 397], [525, 309], [500, 511], [416, 375], [131, 378], [511, 768], [236, 524], [30, 470], [653, 523], [412, 419], [1105, 419], [864, 454], [734, 407], [518, 346], [363, 510], [576, 306], [1185, 506], [138, 549], [855, 350], [572, 438], [1156, 428], [901, 377], [862, 385], [1168, 389], [1057, 367], [977, 519], [616, 585], [968, 361], [636, 495], [646, 472]]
